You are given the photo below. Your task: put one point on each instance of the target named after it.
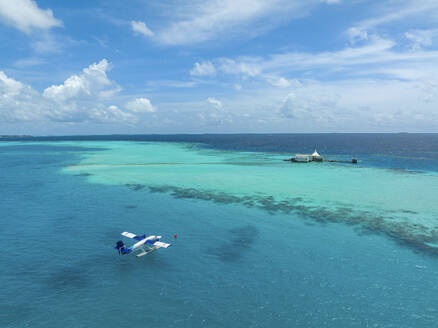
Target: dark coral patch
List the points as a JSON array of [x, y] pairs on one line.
[[404, 171], [416, 236], [238, 241], [84, 174]]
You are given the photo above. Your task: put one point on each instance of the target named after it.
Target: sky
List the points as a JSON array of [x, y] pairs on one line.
[[230, 66]]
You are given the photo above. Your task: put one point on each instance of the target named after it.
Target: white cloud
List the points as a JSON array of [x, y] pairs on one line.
[[399, 10], [9, 87], [276, 69], [421, 38], [281, 82], [214, 115], [212, 19], [18, 102], [331, 2], [377, 50], [26, 16], [375, 56], [374, 86], [140, 105], [81, 98], [245, 66], [92, 82], [203, 69], [111, 114], [141, 28]]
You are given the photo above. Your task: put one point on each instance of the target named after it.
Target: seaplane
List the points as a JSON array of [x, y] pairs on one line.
[[144, 244]]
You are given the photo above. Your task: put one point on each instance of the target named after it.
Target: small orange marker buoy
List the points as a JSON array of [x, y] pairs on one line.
[[176, 236]]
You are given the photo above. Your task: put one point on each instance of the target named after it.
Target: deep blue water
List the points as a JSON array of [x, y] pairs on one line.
[[230, 266]]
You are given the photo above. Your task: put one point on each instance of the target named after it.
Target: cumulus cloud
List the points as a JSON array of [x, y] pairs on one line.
[[140, 105], [141, 28], [18, 102], [81, 98], [25, 15], [92, 82], [203, 69], [9, 87]]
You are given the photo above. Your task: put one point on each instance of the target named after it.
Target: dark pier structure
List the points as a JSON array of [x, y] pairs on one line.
[[353, 161]]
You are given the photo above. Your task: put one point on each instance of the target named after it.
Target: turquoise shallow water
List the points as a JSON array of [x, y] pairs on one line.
[[260, 242]]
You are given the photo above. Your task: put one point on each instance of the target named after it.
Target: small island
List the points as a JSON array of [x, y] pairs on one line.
[[315, 157]]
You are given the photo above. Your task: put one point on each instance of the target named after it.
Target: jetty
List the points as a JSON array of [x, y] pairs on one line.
[[316, 157]]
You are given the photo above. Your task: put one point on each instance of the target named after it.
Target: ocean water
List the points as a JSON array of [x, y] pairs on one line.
[[261, 242]]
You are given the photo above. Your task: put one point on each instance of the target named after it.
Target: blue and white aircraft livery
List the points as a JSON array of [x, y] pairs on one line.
[[144, 244]]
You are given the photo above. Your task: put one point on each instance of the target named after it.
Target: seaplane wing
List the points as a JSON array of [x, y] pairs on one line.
[[160, 244], [129, 235], [133, 236]]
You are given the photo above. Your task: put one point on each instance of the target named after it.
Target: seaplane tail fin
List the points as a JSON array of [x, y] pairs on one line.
[[121, 248], [160, 244]]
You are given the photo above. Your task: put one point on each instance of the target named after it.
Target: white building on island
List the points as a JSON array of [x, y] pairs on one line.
[[305, 158]]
